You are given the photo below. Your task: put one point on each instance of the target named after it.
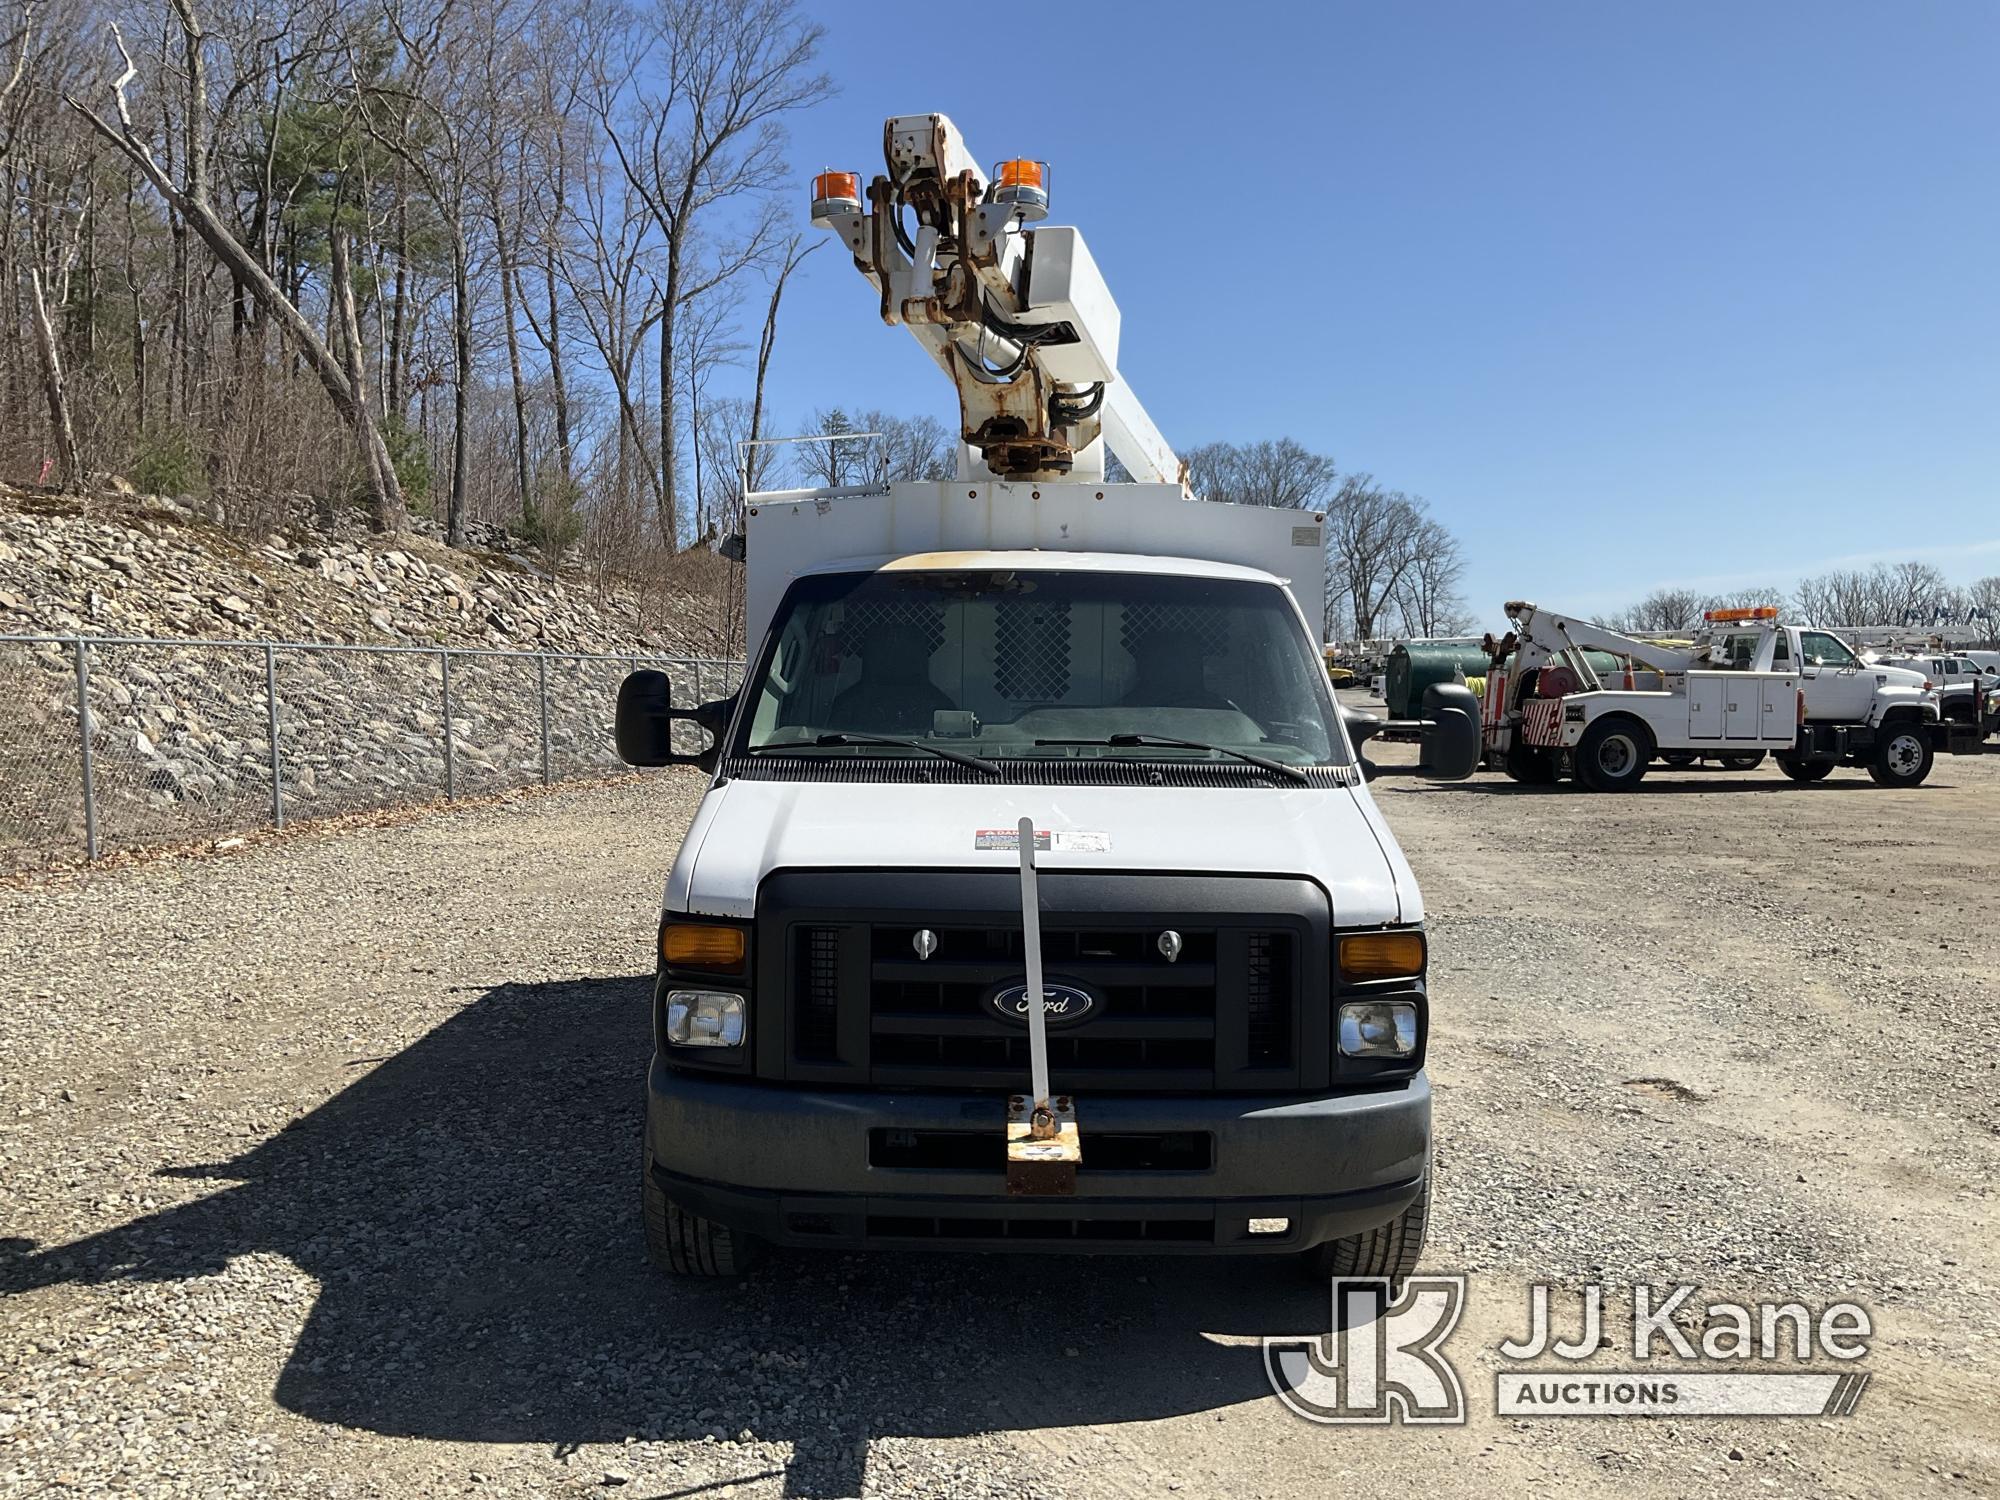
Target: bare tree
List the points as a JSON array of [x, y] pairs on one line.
[[1912, 594], [58, 395], [900, 449], [1373, 539], [424, 119], [1665, 611], [187, 196], [1982, 608], [757, 459], [1283, 474], [1426, 598], [695, 125]]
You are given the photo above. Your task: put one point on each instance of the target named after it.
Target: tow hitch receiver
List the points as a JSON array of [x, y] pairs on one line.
[[1043, 1147]]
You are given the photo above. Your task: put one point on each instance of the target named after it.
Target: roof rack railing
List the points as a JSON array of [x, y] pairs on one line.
[[743, 446]]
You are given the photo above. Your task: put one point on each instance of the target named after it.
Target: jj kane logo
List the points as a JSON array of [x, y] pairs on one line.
[[1384, 1361]]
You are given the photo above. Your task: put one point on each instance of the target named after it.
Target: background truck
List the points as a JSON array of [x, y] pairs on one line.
[[1747, 685], [1037, 899]]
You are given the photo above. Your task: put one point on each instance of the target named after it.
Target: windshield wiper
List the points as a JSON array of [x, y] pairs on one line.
[[956, 757], [1262, 761]]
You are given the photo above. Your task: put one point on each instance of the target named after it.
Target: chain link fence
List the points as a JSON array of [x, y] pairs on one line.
[[119, 743]]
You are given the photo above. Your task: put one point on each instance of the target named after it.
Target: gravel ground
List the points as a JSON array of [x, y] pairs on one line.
[[318, 1175]]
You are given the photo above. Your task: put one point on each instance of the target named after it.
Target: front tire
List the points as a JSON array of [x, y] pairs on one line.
[[1805, 770], [1612, 755], [685, 1244], [1391, 1250], [1902, 757], [1680, 759], [1748, 760]]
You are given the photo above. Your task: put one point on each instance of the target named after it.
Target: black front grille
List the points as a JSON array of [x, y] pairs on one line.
[[1223, 1014], [818, 992], [929, 1022]]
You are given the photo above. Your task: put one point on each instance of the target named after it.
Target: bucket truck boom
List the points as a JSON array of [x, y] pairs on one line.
[[1019, 318]]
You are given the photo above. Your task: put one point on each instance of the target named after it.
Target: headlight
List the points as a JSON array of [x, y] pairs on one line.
[[705, 1018], [1378, 1028]]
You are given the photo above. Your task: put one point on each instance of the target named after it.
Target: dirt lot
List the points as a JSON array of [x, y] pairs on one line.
[[318, 1176]]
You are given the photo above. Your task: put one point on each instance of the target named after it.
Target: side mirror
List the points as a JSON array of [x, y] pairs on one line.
[[1362, 727], [644, 725], [1451, 732], [644, 728]]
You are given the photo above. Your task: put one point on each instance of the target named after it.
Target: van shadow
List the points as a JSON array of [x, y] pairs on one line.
[[470, 1210]]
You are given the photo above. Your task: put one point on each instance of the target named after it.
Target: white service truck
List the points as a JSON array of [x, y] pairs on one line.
[[1746, 685], [1037, 899]]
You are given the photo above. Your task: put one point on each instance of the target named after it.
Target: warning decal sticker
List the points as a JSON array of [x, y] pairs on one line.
[[1071, 841]]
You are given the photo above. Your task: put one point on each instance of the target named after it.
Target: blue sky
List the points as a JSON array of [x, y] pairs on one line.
[[1692, 293]]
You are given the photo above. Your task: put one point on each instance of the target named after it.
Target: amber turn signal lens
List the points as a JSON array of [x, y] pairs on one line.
[[689, 945], [1382, 955]]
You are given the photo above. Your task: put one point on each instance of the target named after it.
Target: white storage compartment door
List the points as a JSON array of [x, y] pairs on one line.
[[1742, 705], [1781, 711], [1704, 690]]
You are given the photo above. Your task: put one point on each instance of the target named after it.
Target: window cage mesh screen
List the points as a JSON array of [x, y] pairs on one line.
[[860, 619], [1205, 622], [1031, 650]]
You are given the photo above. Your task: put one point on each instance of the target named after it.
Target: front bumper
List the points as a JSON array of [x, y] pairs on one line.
[[793, 1166]]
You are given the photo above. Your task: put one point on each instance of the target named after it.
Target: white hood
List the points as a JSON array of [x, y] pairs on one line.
[[747, 829]]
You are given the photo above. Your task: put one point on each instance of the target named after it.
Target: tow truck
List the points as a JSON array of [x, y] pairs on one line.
[[1037, 898], [1744, 686]]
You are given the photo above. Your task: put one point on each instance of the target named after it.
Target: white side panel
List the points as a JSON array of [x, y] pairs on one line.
[[790, 537]]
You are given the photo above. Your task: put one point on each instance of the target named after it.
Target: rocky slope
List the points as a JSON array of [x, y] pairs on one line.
[[182, 736], [146, 568]]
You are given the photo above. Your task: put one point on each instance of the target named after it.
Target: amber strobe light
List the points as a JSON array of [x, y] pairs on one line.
[[835, 192], [692, 945], [1382, 955], [1023, 186], [1734, 616]]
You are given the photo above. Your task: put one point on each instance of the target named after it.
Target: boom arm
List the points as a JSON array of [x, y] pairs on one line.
[[1018, 318], [1542, 634]]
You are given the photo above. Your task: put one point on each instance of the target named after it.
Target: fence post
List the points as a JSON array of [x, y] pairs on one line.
[[83, 736], [542, 687], [271, 729], [450, 767]]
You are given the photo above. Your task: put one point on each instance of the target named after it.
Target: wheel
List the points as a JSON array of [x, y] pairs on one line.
[[1902, 757], [1747, 760], [1805, 770], [1612, 755], [1680, 759], [1530, 765], [685, 1244], [1392, 1250]]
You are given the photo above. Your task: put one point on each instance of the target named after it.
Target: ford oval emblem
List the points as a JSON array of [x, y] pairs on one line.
[[1062, 1004]]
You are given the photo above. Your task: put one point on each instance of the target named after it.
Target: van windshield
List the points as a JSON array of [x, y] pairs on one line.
[[1017, 664]]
